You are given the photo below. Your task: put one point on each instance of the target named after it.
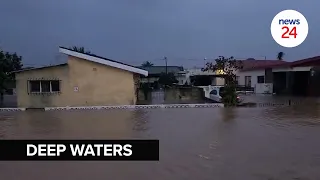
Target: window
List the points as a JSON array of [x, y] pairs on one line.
[[34, 86], [44, 86], [55, 86], [260, 79], [248, 81]]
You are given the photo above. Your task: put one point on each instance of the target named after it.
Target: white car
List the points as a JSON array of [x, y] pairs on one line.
[[216, 94]]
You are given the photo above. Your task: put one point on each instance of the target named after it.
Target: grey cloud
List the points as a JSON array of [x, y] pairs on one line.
[[137, 30]]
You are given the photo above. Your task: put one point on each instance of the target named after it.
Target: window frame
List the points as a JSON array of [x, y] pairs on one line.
[[40, 88]]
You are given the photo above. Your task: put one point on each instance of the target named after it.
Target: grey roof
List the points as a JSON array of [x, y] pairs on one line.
[[33, 68], [162, 69]]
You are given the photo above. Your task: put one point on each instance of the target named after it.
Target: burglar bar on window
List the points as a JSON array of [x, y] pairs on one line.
[[44, 86]]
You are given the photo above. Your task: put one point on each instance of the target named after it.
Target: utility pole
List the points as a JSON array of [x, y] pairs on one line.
[[166, 60], [205, 59]]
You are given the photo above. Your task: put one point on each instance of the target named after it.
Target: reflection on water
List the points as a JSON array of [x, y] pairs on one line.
[[213, 143], [140, 120], [267, 98], [229, 114]]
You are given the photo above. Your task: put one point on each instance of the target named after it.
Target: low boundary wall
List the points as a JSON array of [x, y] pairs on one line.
[[138, 107], [12, 109], [209, 105]]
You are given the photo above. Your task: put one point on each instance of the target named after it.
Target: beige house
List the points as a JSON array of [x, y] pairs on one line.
[[85, 80]]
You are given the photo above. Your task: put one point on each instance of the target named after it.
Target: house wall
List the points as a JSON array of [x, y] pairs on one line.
[[30, 100], [100, 84], [182, 79], [308, 68], [258, 87], [97, 85], [218, 81], [253, 74]]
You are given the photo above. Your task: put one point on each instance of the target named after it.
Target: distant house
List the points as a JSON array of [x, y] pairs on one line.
[[85, 80], [300, 77], [199, 77], [156, 71], [253, 74], [193, 76]]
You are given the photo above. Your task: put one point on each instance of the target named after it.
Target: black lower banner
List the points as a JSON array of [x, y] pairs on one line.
[[79, 150]]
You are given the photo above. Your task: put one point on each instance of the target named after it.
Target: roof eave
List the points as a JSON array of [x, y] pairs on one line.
[[103, 61], [44, 67]]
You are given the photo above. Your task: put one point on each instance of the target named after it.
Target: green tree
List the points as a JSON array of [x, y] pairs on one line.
[[146, 89], [8, 64], [167, 79], [147, 64], [80, 50], [280, 55], [229, 66]]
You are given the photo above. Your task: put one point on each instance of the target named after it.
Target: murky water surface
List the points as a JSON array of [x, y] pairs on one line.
[[275, 143]]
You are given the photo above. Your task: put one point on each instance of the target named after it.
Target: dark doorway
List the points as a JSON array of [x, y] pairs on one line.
[[279, 82], [314, 85], [300, 83]]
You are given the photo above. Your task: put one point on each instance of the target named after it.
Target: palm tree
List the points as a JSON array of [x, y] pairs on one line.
[[147, 64], [280, 56], [80, 50]]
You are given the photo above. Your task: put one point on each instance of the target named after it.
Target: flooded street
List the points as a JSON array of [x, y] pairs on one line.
[[206, 143]]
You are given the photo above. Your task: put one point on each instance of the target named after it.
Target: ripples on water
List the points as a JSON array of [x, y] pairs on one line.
[[214, 143]]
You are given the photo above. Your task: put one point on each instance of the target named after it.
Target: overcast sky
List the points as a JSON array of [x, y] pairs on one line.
[[133, 31]]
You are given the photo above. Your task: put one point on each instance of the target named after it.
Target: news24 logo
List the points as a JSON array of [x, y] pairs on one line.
[[289, 28]]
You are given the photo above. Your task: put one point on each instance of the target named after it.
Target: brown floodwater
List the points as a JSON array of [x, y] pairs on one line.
[[274, 143]]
